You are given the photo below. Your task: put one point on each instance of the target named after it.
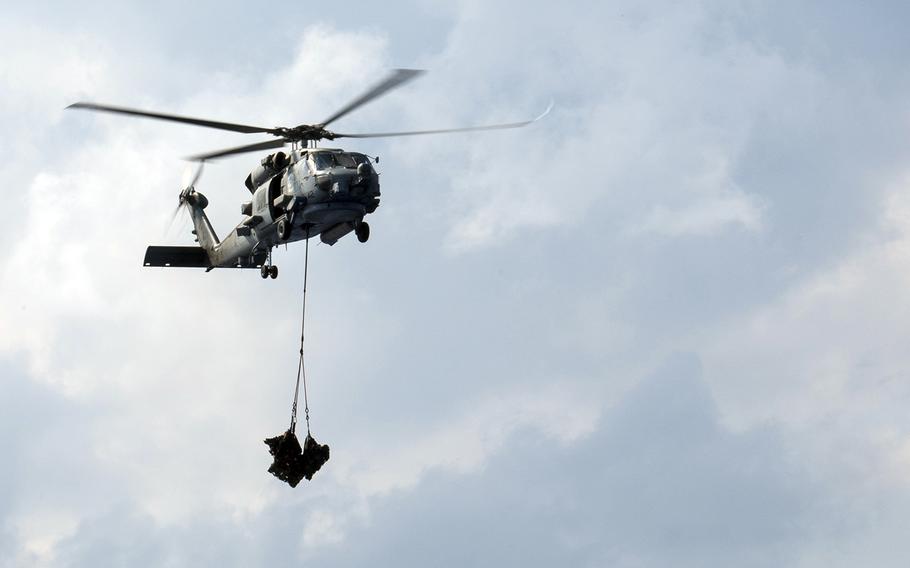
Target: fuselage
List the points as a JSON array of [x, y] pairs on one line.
[[321, 191]]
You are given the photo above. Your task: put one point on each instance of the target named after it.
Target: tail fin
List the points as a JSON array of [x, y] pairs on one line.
[[205, 234]]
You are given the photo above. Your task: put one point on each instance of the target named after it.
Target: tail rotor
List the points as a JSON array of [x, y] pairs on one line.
[[188, 184]]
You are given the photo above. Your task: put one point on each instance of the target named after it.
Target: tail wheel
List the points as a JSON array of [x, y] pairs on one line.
[[284, 229], [362, 231], [273, 271]]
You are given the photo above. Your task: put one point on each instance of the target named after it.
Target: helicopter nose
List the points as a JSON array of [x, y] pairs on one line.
[[340, 187]]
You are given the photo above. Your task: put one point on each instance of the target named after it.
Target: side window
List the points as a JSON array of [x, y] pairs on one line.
[[361, 159]]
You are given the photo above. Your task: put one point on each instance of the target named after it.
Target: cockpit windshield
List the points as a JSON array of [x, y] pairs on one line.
[[345, 161], [325, 160]]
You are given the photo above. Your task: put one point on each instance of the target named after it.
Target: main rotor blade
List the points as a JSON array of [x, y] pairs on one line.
[[172, 117], [396, 78], [268, 144], [448, 130]]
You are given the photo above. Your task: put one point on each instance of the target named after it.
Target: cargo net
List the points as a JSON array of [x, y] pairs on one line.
[[291, 462]]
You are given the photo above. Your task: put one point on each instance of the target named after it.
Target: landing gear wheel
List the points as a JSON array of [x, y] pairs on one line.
[[284, 229], [273, 271], [264, 271], [362, 231]]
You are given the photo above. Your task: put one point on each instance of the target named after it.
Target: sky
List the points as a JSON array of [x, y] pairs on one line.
[[664, 326]]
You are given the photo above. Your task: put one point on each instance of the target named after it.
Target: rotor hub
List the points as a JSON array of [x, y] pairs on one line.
[[304, 132]]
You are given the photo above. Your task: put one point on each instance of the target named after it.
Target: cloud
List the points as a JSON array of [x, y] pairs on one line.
[[659, 478], [465, 445], [659, 481], [623, 143], [830, 346], [706, 218]]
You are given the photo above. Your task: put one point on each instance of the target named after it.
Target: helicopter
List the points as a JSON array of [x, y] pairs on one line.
[[306, 192]]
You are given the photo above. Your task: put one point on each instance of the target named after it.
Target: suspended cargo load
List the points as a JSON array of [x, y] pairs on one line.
[[291, 463]]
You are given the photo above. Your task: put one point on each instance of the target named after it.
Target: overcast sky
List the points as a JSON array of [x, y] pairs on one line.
[[665, 326]]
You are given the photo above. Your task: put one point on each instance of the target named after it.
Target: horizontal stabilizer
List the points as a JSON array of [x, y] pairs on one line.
[[177, 257]]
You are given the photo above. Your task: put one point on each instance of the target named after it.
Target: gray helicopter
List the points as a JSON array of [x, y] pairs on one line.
[[296, 195]]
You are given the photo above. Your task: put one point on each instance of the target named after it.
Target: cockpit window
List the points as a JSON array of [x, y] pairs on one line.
[[360, 159], [323, 160], [345, 161]]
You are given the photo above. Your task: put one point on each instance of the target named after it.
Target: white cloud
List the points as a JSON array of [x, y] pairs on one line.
[[650, 124], [464, 445], [826, 362], [829, 345], [40, 532], [322, 528], [706, 218]]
